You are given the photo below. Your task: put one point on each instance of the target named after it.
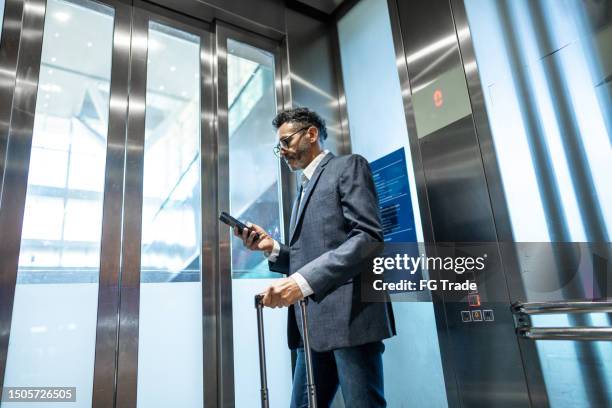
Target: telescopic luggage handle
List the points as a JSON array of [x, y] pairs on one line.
[[265, 402], [310, 386]]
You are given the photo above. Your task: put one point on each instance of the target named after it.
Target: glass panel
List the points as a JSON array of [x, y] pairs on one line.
[[545, 69], [254, 196], [2, 2], [366, 30], [53, 329], [170, 360]]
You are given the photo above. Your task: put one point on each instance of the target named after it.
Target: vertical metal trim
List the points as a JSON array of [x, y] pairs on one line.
[[344, 144], [110, 248], [225, 346], [285, 74], [444, 341], [284, 100], [129, 284], [225, 323], [9, 50], [17, 163], [210, 227]]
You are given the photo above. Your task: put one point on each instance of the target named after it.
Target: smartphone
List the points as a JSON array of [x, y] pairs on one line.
[[233, 222]]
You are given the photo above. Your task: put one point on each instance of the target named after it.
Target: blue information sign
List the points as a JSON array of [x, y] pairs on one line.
[[391, 180]]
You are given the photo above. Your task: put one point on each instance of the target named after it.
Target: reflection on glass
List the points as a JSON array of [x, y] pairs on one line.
[[546, 80], [545, 73], [54, 315], [170, 369], [254, 171], [1, 16], [254, 196]]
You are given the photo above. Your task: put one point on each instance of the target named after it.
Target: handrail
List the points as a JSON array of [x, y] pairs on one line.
[[566, 333], [523, 310], [532, 308]]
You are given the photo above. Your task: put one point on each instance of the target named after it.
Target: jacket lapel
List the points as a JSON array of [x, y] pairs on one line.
[[307, 193]]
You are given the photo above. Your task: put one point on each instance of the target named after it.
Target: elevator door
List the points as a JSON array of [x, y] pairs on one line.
[[102, 212]]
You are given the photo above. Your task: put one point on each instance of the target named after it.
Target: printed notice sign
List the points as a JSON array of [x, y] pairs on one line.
[[391, 180]]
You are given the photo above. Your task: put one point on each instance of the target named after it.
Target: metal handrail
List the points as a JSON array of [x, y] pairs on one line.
[[532, 308], [566, 333], [523, 310]]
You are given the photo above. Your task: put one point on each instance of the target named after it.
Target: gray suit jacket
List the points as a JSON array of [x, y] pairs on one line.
[[335, 234]]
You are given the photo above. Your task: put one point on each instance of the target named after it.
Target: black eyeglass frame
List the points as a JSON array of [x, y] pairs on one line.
[[284, 141]]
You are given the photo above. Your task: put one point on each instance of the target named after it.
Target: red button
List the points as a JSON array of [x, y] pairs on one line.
[[474, 299]]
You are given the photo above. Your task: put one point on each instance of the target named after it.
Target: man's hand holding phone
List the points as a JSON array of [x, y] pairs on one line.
[[264, 243], [283, 292]]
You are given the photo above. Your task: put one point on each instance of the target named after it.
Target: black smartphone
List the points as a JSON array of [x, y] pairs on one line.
[[233, 222]]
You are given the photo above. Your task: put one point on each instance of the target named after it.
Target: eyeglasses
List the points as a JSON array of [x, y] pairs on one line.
[[285, 141]]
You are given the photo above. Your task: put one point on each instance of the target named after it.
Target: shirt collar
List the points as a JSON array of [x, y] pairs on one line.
[[310, 169]]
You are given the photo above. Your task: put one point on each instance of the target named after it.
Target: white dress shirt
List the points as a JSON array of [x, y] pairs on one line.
[[306, 176]]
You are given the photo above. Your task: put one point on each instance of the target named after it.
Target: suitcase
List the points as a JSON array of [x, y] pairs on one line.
[[310, 387]]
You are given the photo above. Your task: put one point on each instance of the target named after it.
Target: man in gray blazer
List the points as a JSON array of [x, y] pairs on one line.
[[335, 231]]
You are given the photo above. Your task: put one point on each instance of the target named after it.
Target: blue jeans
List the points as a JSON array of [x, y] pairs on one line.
[[358, 370]]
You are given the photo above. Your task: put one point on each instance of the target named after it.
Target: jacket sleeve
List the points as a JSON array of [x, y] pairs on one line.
[[281, 264], [359, 204]]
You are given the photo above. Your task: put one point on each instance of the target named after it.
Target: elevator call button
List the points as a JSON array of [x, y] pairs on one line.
[[474, 299], [477, 315]]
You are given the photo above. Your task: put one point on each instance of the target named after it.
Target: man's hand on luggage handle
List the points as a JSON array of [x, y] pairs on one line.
[[264, 243], [284, 292]]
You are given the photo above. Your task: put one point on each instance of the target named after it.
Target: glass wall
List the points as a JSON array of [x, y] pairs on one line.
[[254, 182], [254, 196], [170, 359], [377, 123], [2, 2], [53, 325], [545, 69]]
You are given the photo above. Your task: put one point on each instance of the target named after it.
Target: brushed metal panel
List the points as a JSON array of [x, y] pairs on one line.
[[9, 48], [444, 339], [105, 363], [210, 211], [225, 344], [461, 212], [129, 284], [458, 198], [529, 353]]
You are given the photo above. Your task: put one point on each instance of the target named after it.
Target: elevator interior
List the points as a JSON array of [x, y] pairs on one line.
[[127, 126]]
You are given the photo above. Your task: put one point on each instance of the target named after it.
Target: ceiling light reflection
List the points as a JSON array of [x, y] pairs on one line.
[[62, 16]]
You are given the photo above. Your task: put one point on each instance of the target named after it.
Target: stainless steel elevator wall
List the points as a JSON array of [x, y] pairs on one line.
[[485, 359]]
